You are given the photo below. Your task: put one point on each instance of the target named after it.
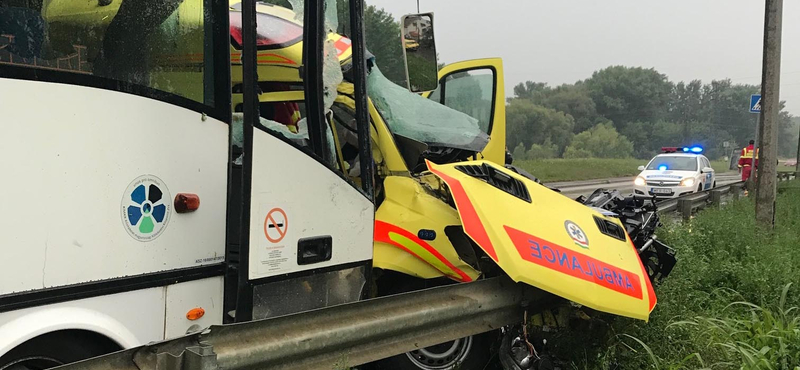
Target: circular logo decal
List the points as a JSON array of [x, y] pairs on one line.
[[576, 233], [146, 208]]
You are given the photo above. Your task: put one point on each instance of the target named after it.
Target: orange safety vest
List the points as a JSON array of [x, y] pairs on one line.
[[746, 159]]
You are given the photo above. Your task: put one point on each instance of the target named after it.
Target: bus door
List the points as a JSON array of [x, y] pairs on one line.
[[300, 235]]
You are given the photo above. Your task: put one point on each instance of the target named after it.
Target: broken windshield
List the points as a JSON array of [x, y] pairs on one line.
[[412, 116]]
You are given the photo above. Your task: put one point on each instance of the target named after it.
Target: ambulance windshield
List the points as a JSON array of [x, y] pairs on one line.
[[410, 115]]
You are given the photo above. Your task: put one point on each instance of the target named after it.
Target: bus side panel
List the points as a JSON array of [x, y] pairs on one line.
[[129, 319], [88, 182], [193, 306]]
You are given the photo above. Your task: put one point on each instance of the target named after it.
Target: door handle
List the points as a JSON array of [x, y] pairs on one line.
[[314, 250]]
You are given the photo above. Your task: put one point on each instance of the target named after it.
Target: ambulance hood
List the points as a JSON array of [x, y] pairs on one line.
[[544, 239]]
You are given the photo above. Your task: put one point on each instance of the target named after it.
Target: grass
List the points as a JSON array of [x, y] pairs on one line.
[[554, 170], [727, 305]]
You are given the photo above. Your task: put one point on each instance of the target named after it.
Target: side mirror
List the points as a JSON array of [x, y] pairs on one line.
[[419, 52], [641, 168], [707, 170]]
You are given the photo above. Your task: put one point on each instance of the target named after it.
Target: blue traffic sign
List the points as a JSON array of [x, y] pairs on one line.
[[755, 103]]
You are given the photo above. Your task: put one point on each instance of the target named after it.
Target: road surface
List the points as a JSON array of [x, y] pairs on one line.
[[573, 189]]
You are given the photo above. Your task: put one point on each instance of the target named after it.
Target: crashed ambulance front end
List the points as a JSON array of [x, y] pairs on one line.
[[544, 239], [533, 234]]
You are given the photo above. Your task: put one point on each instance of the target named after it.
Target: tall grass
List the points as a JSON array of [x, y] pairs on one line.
[[727, 304]]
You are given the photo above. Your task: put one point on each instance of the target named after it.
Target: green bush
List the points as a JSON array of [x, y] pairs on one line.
[[542, 151], [600, 141]]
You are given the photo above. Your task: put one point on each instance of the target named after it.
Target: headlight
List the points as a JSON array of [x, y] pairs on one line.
[[687, 182], [639, 181]]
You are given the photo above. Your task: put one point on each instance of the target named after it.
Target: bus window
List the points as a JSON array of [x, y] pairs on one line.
[[164, 46]]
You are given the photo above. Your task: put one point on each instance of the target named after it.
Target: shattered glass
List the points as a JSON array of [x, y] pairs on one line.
[[410, 115], [331, 69], [298, 9], [237, 134], [158, 44]]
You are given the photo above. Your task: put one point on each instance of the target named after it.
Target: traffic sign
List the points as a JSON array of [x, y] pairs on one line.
[[755, 103]]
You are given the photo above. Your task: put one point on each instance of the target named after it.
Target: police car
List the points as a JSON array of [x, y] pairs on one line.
[[678, 171]]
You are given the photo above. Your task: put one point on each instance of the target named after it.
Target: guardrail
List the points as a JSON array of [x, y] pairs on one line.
[[788, 175], [338, 337], [688, 204]]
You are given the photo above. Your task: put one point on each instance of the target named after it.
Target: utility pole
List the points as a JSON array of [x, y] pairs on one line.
[[766, 180]]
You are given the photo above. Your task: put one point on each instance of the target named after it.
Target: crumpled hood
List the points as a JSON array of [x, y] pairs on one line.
[[544, 239]]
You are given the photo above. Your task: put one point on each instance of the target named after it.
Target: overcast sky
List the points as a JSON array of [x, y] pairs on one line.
[[563, 41]]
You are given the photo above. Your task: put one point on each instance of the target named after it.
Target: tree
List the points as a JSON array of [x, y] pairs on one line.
[[601, 141], [529, 124], [686, 104], [382, 37], [625, 94], [575, 101], [543, 151], [381, 33], [519, 152], [790, 132], [534, 91]]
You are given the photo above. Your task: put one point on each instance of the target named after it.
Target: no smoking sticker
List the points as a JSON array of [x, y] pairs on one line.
[[275, 225]]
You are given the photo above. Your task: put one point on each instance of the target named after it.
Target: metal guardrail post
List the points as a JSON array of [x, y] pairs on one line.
[[685, 208], [716, 196]]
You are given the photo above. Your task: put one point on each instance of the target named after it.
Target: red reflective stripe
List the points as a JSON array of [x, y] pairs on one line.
[[651, 293], [382, 230], [342, 45], [469, 217], [578, 265]]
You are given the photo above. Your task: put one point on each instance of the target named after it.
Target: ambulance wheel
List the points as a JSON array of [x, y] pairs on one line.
[[468, 353], [56, 348], [699, 188], [714, 185]]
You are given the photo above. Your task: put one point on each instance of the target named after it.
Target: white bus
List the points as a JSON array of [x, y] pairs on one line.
[[131, 209]]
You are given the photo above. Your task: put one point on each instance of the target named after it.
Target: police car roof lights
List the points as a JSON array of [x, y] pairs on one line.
[[696, 149]]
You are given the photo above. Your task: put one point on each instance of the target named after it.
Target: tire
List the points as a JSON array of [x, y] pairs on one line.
[[57, 348], [714, 185], [469, 353], [699, 188]]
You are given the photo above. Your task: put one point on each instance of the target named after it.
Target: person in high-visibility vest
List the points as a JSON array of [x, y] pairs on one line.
[[748, 160]]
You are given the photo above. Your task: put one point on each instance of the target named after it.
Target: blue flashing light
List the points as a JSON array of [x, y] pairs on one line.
[[685, 150], [696, 149], [662, 167]]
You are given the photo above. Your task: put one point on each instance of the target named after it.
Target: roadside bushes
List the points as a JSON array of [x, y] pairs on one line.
[[730, 303]]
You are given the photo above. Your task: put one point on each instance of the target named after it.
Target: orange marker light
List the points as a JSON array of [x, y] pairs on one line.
[[195, 313], [186, 202]]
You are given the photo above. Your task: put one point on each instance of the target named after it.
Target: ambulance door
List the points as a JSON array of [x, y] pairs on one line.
[[475, 87]]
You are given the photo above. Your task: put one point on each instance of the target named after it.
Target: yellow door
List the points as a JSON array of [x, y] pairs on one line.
[[476, 87]]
